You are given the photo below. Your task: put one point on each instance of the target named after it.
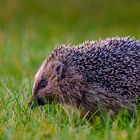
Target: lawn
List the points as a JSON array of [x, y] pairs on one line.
[[29, 31]]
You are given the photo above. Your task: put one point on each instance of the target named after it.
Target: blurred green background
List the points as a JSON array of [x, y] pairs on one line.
[[30, 29]]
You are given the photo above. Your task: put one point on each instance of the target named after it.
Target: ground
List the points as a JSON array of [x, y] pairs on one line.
[[29, 31]]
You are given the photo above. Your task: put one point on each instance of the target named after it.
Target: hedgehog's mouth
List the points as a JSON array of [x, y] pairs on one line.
[[34, 102]]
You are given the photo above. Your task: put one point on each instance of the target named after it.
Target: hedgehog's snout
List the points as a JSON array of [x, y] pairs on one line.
[[32, 103], [35, 102]]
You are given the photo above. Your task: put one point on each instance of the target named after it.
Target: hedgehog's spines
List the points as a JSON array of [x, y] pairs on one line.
[[109, 71]]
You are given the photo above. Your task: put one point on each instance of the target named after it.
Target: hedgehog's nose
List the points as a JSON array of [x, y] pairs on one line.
[[33, 102], [30, 104], [36, 102]]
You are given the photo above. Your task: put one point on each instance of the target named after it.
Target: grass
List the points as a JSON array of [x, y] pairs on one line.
[[29, 30]]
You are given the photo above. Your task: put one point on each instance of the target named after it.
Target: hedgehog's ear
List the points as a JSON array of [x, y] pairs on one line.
[[58, 69]]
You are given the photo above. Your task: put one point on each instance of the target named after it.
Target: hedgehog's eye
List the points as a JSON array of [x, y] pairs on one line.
[[43, 84]]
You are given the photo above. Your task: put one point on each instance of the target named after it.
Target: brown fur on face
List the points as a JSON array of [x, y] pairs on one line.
[[63, 84], [50, 92]]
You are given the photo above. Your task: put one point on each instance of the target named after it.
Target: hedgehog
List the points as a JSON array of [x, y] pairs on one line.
[[94, 75]]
